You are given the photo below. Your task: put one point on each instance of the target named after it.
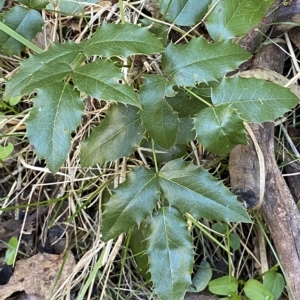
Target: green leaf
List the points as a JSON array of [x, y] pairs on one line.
[[235, 18], [201, 277], [100, 79], [223, 286], [69, 7], [254, 290], [185, 104], [27, 22], [219, 227], [119, 134], [186, 132], [56, 112], [2, 3], [6, 151], [158, 117], [220, 129], [138, 246], [183, 12], [170, 254], [254, 99], [275, 283], [35, 4], [44, 69], [200, 61], [122, 39], [159, 30], [131, 202], [234, 241], [195, 191], [11, 251]]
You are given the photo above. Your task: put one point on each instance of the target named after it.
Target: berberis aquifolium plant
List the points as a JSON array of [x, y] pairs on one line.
[[191, 100]]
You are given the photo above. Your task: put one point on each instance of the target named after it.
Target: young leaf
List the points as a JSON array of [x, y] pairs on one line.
[[43, 69], [275, 283], [170, 254], [11, 251], [254, 290], [119, 134], [220, 129], [255, 100], [56, 112], [201, 278], [122, 39], [200, 61], [27, 22], [235, 18], [184, 12], [158, 117], [6, 151], [223, 286], [131, 202], [100, 79], [195, 191]]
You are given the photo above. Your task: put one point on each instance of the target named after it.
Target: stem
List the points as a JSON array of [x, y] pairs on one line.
[[228, 250], [198, 97], [122, 12], [154, 157]]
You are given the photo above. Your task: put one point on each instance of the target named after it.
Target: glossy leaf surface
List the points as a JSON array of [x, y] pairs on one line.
[[231, 18], [170, 252], [158, 117], [100, 79], [56, 112], [119, 134], [44, 69], [123, 39], [200, 61], [220, 129], [183, 12], [131, 202], [27, 22], [255, 100], [195, 191]]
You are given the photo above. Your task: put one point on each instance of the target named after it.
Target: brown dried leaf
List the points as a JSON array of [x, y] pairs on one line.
[[37, 275]]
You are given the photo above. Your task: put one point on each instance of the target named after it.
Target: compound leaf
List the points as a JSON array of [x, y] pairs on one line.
[[56, 112], [183, 12], [170, 253], [220, 129], [200, 61], [131, 202], [231, 18], [122, 39], [195, 191], [100, 79], [27, 22], [254, 99], [159, 118], [119, 134], [40, 70]]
